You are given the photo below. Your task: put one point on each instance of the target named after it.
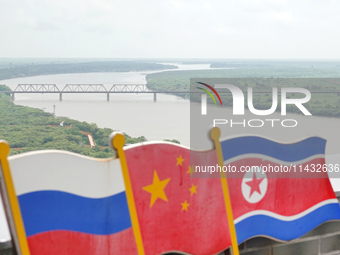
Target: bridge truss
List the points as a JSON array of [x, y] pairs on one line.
[[119, 88], [90, 88], [36, 88]]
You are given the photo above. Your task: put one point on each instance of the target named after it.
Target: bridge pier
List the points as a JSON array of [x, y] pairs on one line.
[[155, 97], [108, 96], [60, 96], [13, 97]]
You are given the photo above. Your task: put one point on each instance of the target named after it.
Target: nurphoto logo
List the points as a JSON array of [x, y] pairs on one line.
[[238, 104]]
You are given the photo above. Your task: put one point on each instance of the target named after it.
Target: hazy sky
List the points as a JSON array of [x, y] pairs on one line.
[[170, 28]]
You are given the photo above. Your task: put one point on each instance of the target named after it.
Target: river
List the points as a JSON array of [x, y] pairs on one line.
[[135, 114]]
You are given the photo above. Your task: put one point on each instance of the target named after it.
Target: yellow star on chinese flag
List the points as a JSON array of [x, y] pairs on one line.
[[193, 189], [190, 169], [179, 160], [157, 189], [185, 206]]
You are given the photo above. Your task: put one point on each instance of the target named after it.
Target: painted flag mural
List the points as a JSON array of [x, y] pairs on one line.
[[278, 204], [147, 201], [71, 204], [176, 212]]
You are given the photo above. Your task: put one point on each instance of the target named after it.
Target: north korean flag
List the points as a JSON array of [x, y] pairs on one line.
[[291, 197]]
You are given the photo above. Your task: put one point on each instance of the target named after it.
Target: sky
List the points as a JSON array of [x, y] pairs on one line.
[[247, 29]]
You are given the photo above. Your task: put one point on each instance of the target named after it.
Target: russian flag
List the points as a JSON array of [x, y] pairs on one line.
[[72, 204], [288, 200]]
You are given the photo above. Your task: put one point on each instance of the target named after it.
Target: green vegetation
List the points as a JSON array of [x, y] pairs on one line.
[[283, 66], [24, 70], [172, 141], [30, 129], [254, 74]]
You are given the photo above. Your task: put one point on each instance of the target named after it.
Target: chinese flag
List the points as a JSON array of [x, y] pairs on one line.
[[176, 212]]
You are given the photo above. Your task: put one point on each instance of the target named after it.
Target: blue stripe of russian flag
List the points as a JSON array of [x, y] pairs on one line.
[[55, 210]]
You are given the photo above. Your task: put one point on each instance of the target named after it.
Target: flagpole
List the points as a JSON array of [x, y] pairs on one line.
[[118, 141], [12, 207], [215, 134]]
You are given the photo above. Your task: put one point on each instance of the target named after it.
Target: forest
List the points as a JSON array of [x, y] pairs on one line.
[[29, 129], [262, 76]]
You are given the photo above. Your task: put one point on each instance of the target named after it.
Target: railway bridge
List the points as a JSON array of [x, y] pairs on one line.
[[87, 89], [113, 89]]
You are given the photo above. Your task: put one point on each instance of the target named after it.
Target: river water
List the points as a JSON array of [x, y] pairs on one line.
[[138, 115], [135, 114]]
